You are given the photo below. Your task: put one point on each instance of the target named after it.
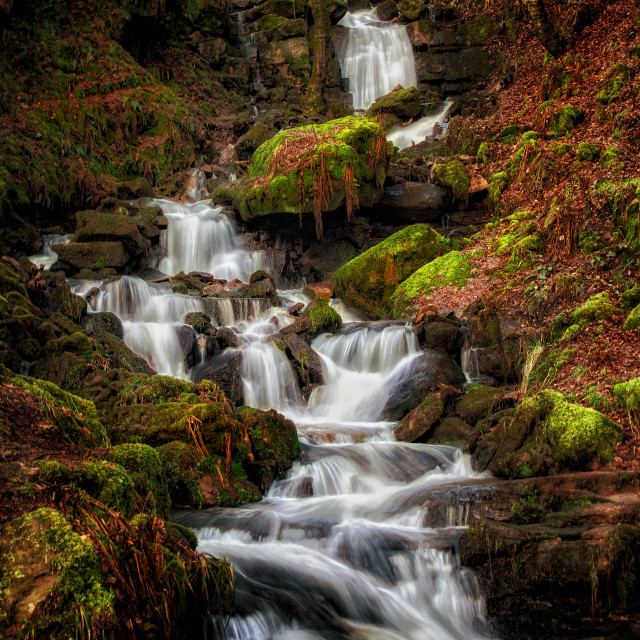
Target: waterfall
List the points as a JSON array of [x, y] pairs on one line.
[[378, 57], [201, 238], [48, 256], [343, 547], [417, 131]]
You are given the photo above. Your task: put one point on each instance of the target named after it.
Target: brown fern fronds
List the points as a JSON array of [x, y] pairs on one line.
[[352, 201]]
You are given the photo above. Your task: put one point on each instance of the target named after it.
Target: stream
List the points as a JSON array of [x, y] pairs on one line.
[[338, 549]]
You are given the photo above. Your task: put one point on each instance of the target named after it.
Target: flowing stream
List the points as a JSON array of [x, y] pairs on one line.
[[339, 549]]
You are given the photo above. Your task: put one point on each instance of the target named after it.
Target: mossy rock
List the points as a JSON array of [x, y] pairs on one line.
[[344, 160], [145, 468], [477, 402], [179, 460], [611, 158], [92, 255], [628, 394], [498, 182], [401, 103], [632, 321], [324, 318], [106, 481], [453, 175], [509, 134], [618, 76], [369, 280], [630, 298], [10, 281], [69, 304], [75, 417], [596, 308], [50, 578], [250, 141], [588, 152], [564, 120], [95, 226], [411, 9], [547, 433], [451, 269], [133, 189]]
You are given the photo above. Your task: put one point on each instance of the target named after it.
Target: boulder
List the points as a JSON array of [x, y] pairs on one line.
[[397, 106], [224, 371], [429, 370], [418, 423], [95, 226], [134, 189], [416, 201], [90, 255], [369, 280], [104, 321], [451, 429], [319, 289], [445, 335], [306, 361]]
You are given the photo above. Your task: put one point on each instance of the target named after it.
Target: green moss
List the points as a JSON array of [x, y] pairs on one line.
[[566, 120], [632, 321], [596, 308], [588, 152], [324, 318], [578, 434], [451, 269], [178, 463], [143, 465], [369, 280], [411, 9], [477, 402], [485, 154], [615, 79], [106, 481], [402, 103], [71, 597], [528, 136], [509, 134], [453, 175], [497, 184], [611, 158], [628, 394], [630, 298], [75, 417], [561, 148]]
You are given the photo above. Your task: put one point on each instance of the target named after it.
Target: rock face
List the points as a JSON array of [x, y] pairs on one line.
[[315, 168], [416, 201], [368, 281]]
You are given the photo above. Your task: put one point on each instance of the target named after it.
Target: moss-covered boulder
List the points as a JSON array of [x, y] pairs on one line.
[[313, 169], [90, 255], [632, 321], [451, 269], [588, 152], [133, 189], [564, 119], [545, 434], [628, 394], [324, 318], [630, 298], [51, 578], [250, 141], [618, 76], [453, 175], [179, 461], [396, 107], [368, 281], [95, 226], [596, 308], [477, 402]]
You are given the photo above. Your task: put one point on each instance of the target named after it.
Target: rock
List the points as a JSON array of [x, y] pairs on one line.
[[199, 322], [212, 290], [386, 10], [227, 338], [295, 309], [319, 289], [428, 370], [478, 402], [416, 201], [565, 435], [224, 371], [324, 318], [445, 335], [134, 189], [98, 227], [306, 361], [397, 106], [416, 425], [189, 345], [453, 175], [91, 255], [355, 142], [451, 429], [299, 326], [104, 321], [368, 281], [250, 141]]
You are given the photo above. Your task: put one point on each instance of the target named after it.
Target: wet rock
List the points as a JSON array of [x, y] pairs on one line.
[[307, 363], [224, 371], [418, 423], [445, 335], [212, 290], [80, 255], [295, 309], [478, 402], [417, 201], [94, 226], [397, 106], [451, 429], [227, 338], [189, 345], [428, 370], [299, 326], [319, 289], [104, 321]]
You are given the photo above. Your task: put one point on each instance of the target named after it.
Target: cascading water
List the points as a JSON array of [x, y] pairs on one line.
[[48, 256], [420, 129], [340, 548], [378, 57]]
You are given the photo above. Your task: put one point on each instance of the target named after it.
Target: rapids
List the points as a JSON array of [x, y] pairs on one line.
[[339, 549]]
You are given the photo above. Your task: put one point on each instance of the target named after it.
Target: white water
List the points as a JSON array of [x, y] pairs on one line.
[[419, 130], [339, 549], [200, 238], [48, 256], [378, 57]]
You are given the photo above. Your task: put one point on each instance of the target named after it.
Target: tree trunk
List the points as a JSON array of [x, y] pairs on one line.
[[551, 40], [321, 46]]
